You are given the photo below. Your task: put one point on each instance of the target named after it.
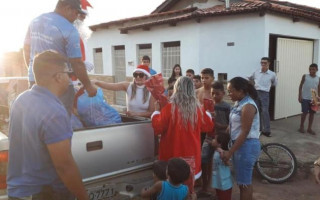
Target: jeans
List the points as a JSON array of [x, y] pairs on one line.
[[263, 105], [244, 159]]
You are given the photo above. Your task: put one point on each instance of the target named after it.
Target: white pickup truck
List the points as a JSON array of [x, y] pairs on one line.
[[115, 161]]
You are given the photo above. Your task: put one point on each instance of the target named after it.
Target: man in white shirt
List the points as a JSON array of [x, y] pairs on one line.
[[264, 79]]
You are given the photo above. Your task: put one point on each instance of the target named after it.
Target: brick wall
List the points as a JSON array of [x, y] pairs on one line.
[[108, 94]]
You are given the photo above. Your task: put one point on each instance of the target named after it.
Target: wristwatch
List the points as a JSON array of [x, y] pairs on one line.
[[317, 163]]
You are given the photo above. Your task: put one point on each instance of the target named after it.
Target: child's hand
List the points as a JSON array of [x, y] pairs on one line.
[[220, 152], [214, 143]]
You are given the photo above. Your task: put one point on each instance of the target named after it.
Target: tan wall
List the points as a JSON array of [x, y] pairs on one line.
[[108, 94]]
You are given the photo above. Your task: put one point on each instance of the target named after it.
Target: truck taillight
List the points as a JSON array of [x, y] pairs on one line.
[[3, 171]]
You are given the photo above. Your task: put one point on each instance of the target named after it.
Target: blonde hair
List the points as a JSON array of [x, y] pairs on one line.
[[185, 100], [134, 91]]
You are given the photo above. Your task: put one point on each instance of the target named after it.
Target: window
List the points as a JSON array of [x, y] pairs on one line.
[[223, 77], [97, 61], [119, 66], [170, 57], [144, 50]]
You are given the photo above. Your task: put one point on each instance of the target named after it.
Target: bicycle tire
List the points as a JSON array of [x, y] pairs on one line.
[[276, 163]]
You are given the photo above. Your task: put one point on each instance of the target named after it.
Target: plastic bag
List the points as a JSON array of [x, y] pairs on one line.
[[155, 86], [94, 111], [75, 122]]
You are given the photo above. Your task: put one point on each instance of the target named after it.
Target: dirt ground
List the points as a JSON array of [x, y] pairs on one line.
[[306, 148], [301, 187]]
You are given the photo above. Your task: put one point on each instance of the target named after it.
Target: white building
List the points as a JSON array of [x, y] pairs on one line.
[[204, 33]]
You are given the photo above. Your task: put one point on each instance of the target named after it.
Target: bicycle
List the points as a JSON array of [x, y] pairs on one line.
[[276, 163]]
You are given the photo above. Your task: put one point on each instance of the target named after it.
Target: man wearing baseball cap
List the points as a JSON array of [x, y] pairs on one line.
[[55, 31]]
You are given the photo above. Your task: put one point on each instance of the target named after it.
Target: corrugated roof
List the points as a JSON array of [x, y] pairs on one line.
[[295, 11], [144, 17]]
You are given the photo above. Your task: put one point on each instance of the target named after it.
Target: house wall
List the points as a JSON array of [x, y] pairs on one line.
[[204, 44], [187, 34], [281, 25], [247, 34]]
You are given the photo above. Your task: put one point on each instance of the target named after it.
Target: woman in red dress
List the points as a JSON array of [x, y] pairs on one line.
[[180, 123]]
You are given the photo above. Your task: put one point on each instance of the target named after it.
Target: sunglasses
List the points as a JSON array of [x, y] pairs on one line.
[[140, 75]]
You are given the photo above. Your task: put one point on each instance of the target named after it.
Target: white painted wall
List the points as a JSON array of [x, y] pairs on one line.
[[205, 44], [284, 26], [186, 34], [247, 33]]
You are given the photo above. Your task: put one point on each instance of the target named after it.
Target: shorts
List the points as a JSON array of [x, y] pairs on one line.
[[206, 152], [306, 106], [244, 159]]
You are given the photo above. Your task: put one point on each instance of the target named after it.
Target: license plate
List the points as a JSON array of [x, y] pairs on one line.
[[101, 192]]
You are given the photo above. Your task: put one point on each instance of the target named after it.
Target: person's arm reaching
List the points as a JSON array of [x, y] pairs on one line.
[[155, 189], [121, 86], [80, 71], [300, 88], [66, 168]]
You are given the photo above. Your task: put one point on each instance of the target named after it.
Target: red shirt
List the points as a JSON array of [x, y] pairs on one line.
[[178, 140]]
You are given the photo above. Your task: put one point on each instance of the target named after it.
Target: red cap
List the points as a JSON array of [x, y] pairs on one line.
[[144, 69]]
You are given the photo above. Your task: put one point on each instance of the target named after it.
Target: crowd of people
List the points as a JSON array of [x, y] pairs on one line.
[[200, 134]]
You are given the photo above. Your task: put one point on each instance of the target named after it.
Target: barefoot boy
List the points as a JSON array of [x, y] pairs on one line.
[[308, 82], [207, 78]]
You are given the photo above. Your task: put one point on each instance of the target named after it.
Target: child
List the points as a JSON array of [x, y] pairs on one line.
[[197, 81], [308, 82], [170, 91], [176, 72], [160, 171], [207, 78], [171, 82], [178, 171], [145, 60], [221, 108], [159, 174], [190, 73], [221, 175]]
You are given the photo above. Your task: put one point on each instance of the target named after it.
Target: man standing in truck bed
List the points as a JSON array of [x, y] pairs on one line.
[[41, 166], [55, 31]]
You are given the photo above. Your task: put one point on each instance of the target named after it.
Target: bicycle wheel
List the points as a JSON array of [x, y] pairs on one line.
[[276, 163]]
